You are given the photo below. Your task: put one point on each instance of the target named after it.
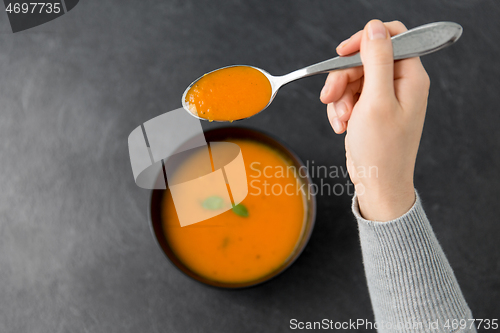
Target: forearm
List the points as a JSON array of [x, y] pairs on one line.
[[409, 278]]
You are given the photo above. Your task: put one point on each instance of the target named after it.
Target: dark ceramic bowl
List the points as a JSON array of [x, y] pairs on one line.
[[221, 134]]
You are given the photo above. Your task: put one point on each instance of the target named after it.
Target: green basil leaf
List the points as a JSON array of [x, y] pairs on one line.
[[213, 203], [240, 210]]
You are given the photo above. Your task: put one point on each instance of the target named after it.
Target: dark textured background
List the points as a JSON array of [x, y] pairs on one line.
[[76, 254]]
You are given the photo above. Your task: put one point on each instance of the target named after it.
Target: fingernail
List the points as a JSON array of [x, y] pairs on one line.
[[376, 30], [325, 90], [341, 109], [341, 45], [336, 124]]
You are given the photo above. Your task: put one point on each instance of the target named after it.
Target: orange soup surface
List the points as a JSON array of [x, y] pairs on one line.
[[229, 94], [238, 248]]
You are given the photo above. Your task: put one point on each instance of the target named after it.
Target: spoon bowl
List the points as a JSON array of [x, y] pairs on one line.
[[273, 81], [415, 42]]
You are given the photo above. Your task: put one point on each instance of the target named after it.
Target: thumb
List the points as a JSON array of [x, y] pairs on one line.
[[378, 60]]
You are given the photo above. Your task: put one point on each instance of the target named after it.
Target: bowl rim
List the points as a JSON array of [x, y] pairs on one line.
[[245, 133]]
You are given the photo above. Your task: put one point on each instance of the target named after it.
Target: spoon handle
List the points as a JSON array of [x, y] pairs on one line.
[[416, 42]]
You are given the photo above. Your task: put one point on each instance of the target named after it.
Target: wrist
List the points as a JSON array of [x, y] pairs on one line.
[[385, 204]]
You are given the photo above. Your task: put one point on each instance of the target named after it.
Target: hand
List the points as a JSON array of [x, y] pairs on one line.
[[382, 107]]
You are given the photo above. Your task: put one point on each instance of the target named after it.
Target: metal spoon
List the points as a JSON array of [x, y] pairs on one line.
[[415, 42]]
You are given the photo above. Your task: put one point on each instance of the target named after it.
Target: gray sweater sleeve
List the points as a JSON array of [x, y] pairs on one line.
[[412, 286]]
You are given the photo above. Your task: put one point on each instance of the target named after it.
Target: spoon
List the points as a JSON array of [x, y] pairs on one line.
[[415, 42]]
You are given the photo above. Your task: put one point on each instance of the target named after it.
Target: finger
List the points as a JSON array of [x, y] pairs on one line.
[[336, 83], [378, 60], [395, 27], [337, 80], [409, 74], [411, 82], [343, 107], [352, 44], [337, 125]]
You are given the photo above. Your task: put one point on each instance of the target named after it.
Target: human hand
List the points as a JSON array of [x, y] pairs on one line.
[[382, 107]]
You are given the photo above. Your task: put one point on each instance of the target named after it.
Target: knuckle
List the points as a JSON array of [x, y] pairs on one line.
[[335, 76], [396, 27], [424, 80], [399, 24], [381, 55], [383, 59], [379, 112], [427, 81]]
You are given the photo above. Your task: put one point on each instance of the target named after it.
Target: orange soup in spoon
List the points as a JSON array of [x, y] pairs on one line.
[[228, 94]]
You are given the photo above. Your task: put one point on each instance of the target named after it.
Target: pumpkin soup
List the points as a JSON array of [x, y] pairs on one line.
[[229, 94], [254, 238]]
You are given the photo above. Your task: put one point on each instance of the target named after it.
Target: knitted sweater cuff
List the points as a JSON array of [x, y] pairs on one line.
[[411, 283]]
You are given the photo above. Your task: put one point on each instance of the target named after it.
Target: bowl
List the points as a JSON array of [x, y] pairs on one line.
[[221, 134]]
